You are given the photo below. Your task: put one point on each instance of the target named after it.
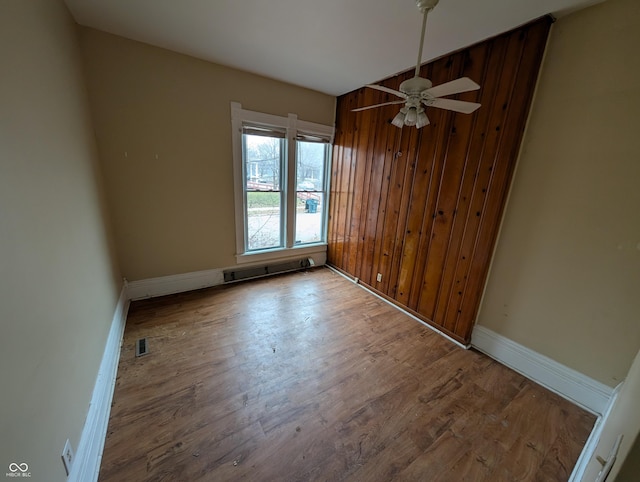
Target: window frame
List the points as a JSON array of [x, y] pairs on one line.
[[294, 128]]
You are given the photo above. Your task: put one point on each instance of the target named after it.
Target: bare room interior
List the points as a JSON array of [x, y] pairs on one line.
[[260, 241]]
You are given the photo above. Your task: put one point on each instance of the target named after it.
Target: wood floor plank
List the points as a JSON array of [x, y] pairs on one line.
[[307, 377]]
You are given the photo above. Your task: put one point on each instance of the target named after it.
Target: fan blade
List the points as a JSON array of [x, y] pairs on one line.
[[463, 84], [454, 105], [387, 90], [378, 105]]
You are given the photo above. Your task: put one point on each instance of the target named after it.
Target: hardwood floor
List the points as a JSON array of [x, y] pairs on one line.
[[309, 377]]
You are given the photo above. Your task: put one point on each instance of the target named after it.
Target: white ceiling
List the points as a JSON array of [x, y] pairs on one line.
[[333, 46]]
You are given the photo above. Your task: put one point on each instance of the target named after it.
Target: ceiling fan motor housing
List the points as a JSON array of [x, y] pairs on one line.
[[415, 85], [426, 4]]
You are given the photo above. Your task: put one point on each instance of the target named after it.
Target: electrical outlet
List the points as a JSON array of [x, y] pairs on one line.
[[67, 456], [379, 277]]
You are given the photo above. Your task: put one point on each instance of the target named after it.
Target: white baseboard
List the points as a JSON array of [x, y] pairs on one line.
[[86, 465], [592, 442], [179, 283], [566, 382]]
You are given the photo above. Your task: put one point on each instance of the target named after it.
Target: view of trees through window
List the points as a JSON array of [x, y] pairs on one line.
[[265, 160]]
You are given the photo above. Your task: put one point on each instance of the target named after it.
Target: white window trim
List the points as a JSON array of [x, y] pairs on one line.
[[292, 125]]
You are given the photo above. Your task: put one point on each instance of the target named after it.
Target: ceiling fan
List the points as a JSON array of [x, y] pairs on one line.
[[417, 93]]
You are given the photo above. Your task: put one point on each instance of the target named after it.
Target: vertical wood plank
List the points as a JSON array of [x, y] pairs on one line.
[[454, 162], [474, 67], [363, 215], [335, 233], [381, 225], [347, 181], [360, 146], [488, 167], [408, 150], [375, 192], [535, 38]]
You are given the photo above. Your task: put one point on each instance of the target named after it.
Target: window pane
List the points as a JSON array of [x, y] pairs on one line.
[[310, 166], [263, 220], [309, 217], [262, 156]]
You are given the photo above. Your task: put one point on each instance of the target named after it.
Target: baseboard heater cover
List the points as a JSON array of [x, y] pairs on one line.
[[240, 274]]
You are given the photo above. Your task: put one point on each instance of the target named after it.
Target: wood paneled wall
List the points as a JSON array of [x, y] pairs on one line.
[[423, 207]]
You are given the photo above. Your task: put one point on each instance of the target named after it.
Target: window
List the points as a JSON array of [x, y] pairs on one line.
[[311, 170], [263, 154], [281, 184]]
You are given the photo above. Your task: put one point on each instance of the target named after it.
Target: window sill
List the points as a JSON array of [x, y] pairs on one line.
[[282, 253]]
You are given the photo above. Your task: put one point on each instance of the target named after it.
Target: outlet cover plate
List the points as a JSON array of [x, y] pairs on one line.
[[67, 456]]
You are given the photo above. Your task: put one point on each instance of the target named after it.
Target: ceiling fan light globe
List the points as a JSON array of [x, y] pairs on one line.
[[411, 118], [422, 121], [398, 120]]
